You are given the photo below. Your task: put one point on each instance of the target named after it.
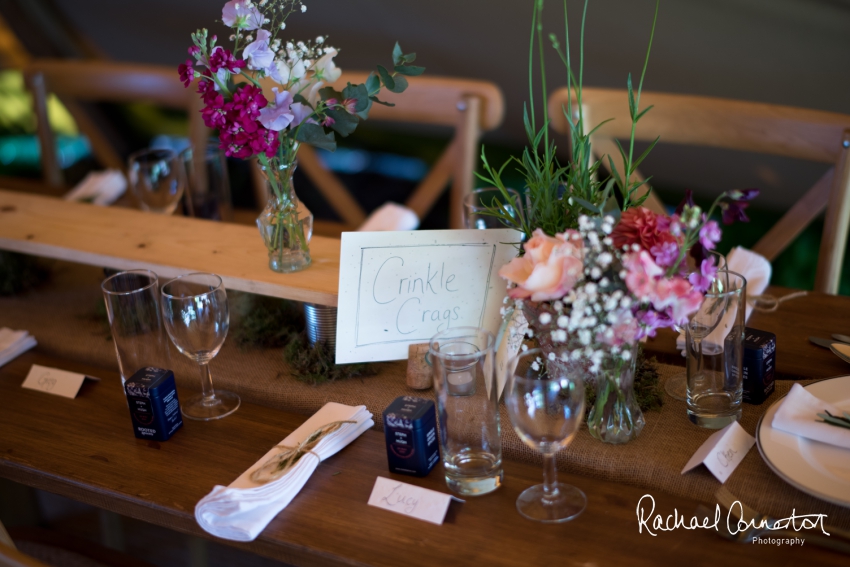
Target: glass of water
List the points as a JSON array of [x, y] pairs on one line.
[[546, 405], [462, 360], [157, 179], [714, 340], [480, 200]]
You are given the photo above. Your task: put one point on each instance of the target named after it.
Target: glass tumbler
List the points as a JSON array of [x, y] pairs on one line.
[[714, 339], [462, 360], [132, 306], [208, 183], [476, 202], [157, 179]]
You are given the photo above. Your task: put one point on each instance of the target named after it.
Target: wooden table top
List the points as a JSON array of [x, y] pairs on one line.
[[119, 238], [815, 314], [84, 449]]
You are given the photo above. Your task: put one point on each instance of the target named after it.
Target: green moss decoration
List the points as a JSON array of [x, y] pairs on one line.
[[264, 322], [316, 365], [20, 273], [647, 386]]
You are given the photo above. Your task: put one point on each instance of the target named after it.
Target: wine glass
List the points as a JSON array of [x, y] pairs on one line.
[[701, 326], [157, 179], [546, 405], [476, 202], [194, 308]]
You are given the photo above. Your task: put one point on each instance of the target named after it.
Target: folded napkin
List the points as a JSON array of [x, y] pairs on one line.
[[756, 270], [242, 510], [390, 216], [14, 343], [99, 187], [798, 415]]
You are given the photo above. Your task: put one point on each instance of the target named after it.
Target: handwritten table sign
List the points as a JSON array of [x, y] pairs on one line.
[[723, 451], [402, 288], [55, 381], [409, 500]]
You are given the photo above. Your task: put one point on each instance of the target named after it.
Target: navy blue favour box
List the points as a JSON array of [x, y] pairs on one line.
[[410, 427], [154, 408], [759, 365]]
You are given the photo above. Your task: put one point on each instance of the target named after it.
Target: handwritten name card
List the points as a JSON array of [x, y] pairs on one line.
[[55, 381], [723, 451], [402, 288], [409, 500]]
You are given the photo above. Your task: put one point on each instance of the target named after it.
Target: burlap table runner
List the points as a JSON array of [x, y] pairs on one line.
[[59, 315]]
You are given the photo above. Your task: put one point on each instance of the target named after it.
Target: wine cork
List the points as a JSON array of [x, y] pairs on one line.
[[418, 372]]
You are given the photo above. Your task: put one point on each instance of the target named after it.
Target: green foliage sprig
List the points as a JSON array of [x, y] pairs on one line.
[[557, 195], [647, 385], [20, 273], [315, 365]]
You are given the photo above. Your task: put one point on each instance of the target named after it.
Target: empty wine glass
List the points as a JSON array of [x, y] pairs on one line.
[[194, 308], [546, 406], [157, 180]]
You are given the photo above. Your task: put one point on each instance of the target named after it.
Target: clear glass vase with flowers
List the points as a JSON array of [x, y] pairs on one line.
[[302, 107]]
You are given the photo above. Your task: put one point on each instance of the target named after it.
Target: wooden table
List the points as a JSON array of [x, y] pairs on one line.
[[816, 314], [84, 449]]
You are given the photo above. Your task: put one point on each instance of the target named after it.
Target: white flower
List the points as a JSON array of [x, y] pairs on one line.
[[545, 318], [303, 8], [524, 348], [326, 69], [563, 321], [627, 354], [551, 356]]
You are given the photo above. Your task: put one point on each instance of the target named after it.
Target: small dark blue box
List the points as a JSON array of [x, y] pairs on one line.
[[410, 427], [154, 408], [759, 365]]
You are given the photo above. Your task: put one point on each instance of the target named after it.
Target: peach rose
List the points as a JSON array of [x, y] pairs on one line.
[[549, 269]]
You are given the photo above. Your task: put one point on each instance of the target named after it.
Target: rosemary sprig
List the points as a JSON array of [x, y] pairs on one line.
[[838, 421]]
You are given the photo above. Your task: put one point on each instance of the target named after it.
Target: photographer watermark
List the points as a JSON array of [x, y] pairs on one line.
[[735, 522]]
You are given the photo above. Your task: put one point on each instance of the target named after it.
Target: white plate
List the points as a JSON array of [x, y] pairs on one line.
[[816, 468]]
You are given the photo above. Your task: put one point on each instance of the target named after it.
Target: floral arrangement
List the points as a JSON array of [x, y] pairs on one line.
[[597, 271], [302, 108]]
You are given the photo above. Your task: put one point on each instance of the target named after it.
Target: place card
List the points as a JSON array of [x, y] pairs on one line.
[[508, 344], [402, 288], [409, 500], [723, 451], [55, 381]]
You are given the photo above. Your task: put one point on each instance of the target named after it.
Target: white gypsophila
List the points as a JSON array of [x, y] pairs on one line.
[[551, 356], [563, 321], [545, 318], [595, 273]]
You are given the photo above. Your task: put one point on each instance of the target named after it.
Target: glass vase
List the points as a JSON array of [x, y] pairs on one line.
[[615, 416], [285, 227]]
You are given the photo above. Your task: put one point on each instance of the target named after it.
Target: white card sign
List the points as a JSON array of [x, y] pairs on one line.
[[55, 381], [402, 288], [408, 500], [723, 451]]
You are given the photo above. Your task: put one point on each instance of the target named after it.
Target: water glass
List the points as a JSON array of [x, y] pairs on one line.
[[132, 307], [462, 361], [208, 183], [157, 179], [546, 405], [197, 319], [714, 340], [480, 200]]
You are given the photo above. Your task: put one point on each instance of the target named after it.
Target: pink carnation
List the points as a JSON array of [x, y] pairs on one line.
[[641, 226], [549, 269]]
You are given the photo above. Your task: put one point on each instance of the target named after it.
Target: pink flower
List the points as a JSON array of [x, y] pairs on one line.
[[702, 279], [279, 115], [220, 58], [677, 296], [665, 253], [709, 235], [187, 72], [258, 54], [640, 226], [237, 14], [641, 274], [350, 105], [549, 269], [299, 113], [624, 331]]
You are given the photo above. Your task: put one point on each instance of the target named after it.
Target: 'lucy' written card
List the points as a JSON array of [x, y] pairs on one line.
[[55, 381], [723, 451], [409, 500], [402, 288]]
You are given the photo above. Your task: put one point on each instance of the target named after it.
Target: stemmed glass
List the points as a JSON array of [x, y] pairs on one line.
[[194, 308], [546, 407], [157, 179], [476, 202]]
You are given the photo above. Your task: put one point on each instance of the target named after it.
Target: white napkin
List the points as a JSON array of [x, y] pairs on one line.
[[756, 270], [798, 415], [390, 216], [100, 187], [13, 344], [242, 510]]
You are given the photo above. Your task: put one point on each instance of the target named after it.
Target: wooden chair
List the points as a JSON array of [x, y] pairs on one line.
[[470, 107], [748, 126], [101, 81]]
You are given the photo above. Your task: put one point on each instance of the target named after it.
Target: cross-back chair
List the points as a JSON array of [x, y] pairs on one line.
[[738, 125], [102, 81], [470, 107]]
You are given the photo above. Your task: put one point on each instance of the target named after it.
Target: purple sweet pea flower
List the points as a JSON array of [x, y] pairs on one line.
[[743, 194], [665, 253], [278, 116], [734, 211], [299, 112], [709, 235], [258, 54], [707, 272], [237, 14]]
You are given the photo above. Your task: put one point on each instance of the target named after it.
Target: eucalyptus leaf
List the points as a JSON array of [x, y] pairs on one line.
[[377, 100], [400, 84], [316, 136], [329, 93], [409, 70], [358, 93], [344, 123], [588, 205], [398, 56], [373, 84], [386, 78]]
